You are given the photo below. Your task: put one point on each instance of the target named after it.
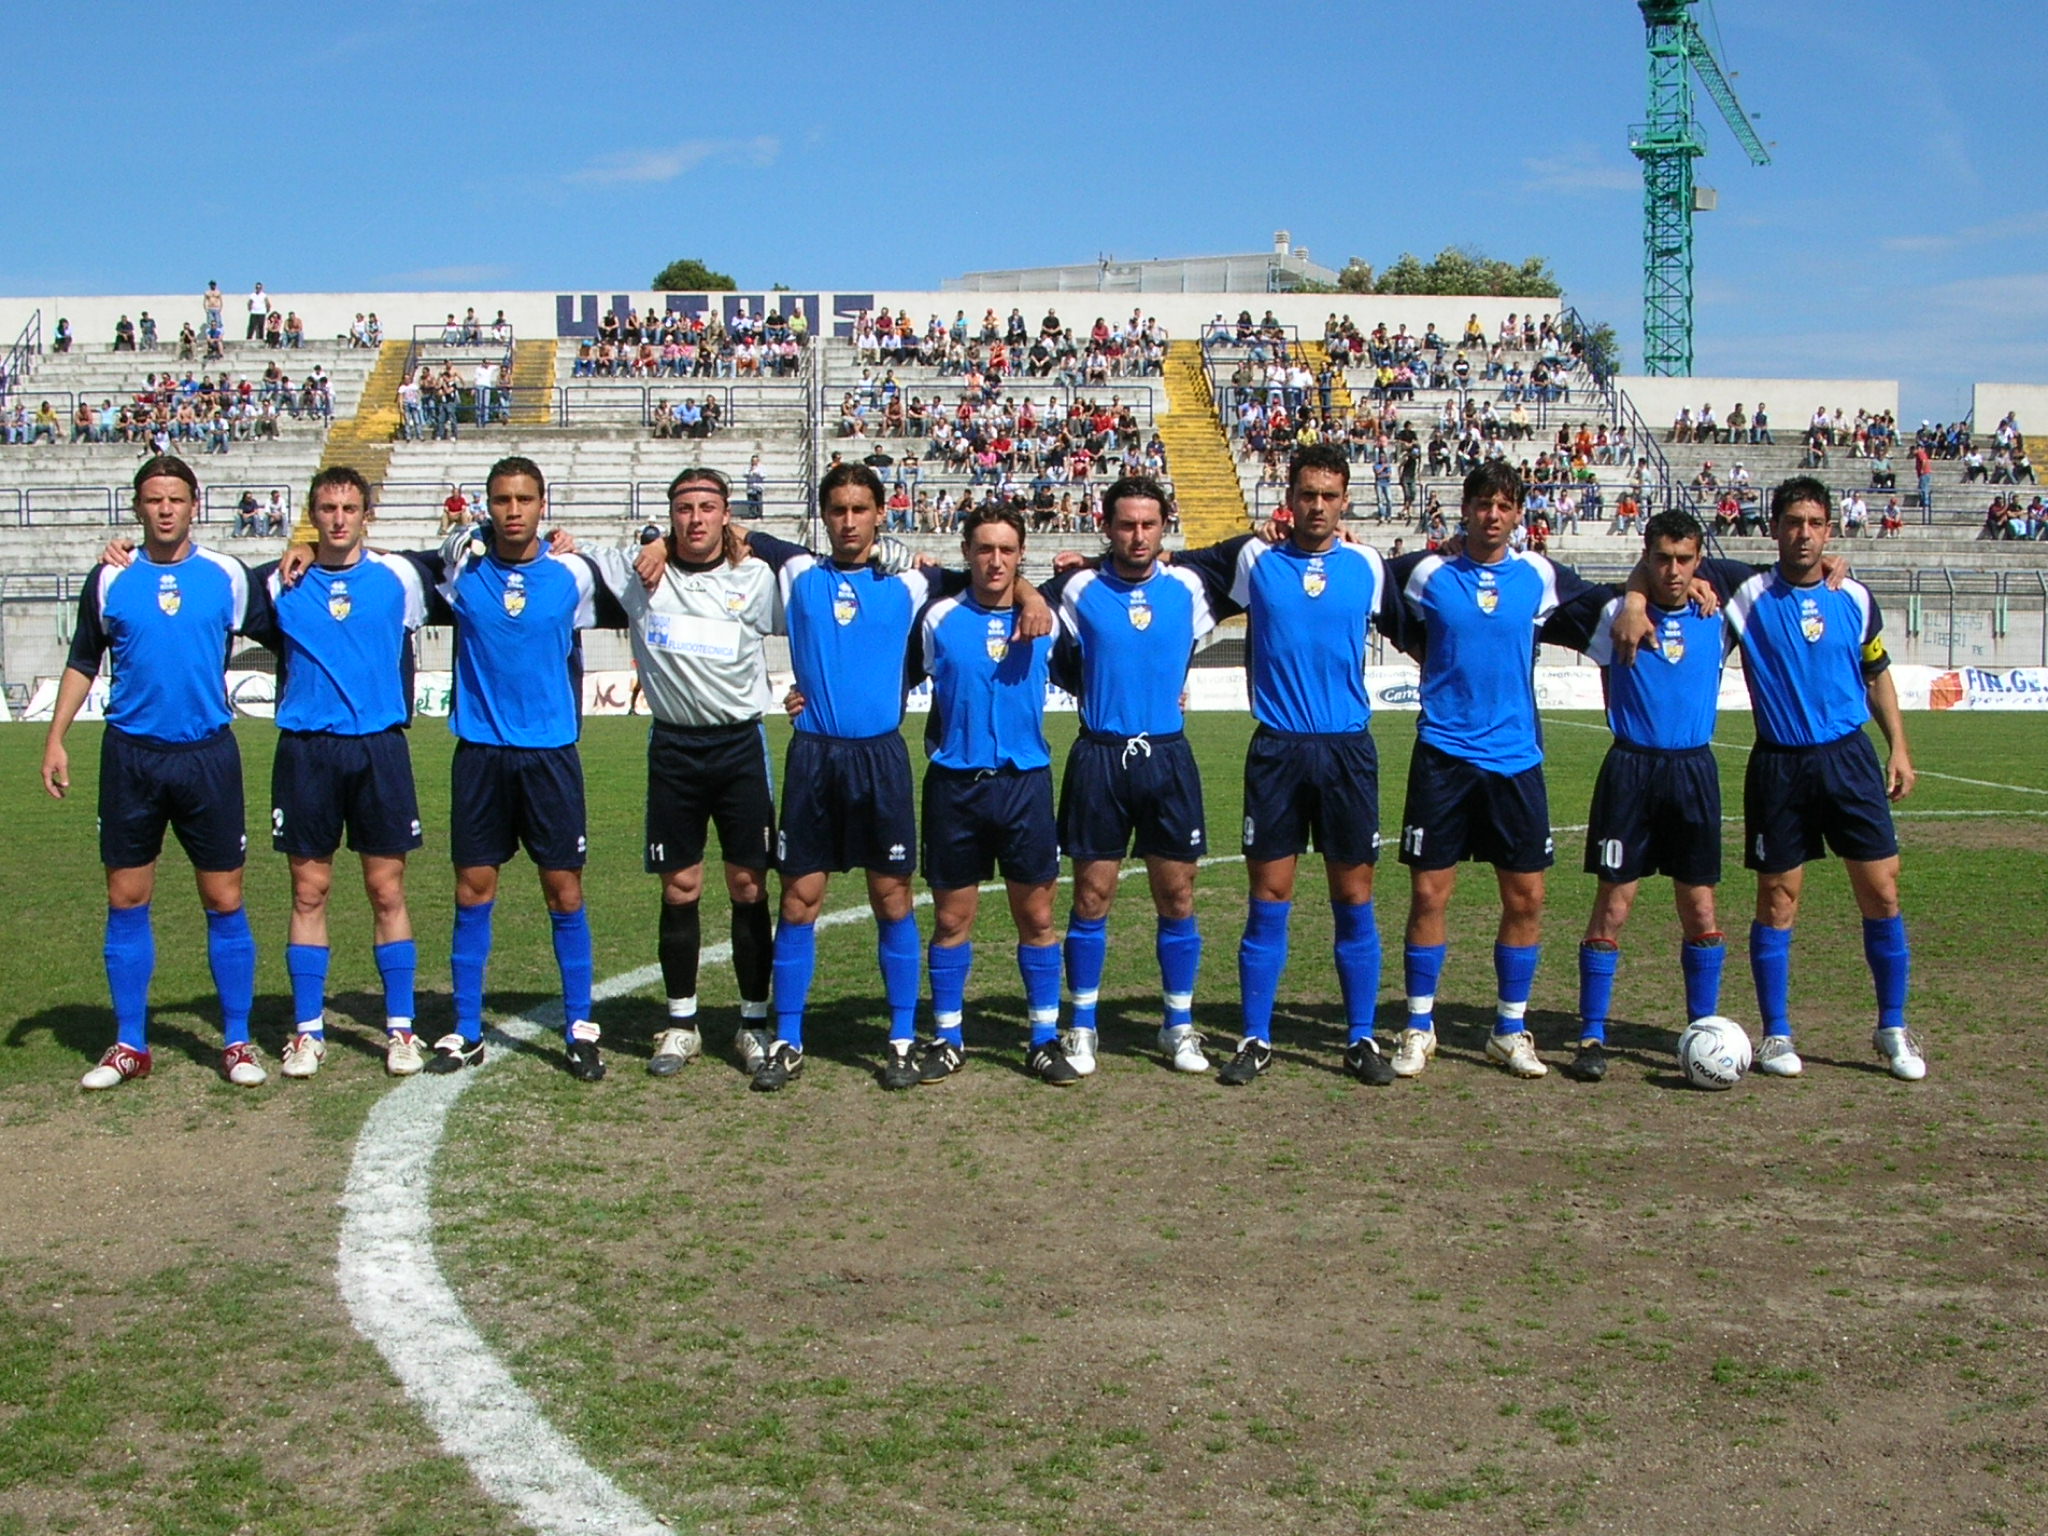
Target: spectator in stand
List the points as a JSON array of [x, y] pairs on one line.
[[259, 314], [1855, 515], [1891, 522], [455, 509], [756, 482], [1760, 427], [124, 335]]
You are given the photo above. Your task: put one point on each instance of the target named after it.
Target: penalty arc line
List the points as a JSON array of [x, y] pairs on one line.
[[399, 1299]]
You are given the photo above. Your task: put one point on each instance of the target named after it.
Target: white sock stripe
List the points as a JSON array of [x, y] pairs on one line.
[[1179, 1000], [1426, 1003], [1083, 999], [682, 1007], [947, 1020], [1045, 1015], [1507, 1010], [753, 1010]]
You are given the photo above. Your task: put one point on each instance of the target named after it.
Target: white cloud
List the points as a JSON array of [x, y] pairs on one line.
[[1579, 171], [646, 165], [2024, 226]]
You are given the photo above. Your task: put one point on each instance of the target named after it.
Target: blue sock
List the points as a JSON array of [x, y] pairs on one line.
[[1358, 966], [1770, 962], [1180, 960], [1261, 957], [1039, 965], [398, 963], [948, 970], [1422, 967], [1701, 960], [1597, 965], [306, 964], [231, 954], [574, 960], [1891, 963], [131, 961], [896, 947], [796, 956], [1087, 946], [468, 957], [1514, 969]]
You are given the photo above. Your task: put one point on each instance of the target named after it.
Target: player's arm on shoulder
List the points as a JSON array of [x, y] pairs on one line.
[[765, 546], [1034, 614], [600, 608], [119, 552], [1217, 567], [1576, 622], [259, 622]]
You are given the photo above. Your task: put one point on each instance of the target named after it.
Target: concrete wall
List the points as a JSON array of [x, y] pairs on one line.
[[1791, 401], [1991, 402], [92, 317]]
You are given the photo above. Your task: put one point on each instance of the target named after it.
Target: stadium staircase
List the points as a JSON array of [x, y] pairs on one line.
[[1198, 457], [533, 382], [364, 440]]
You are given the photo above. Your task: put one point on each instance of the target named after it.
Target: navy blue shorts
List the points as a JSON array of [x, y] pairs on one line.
[[846, 804], [1320, 790], [1147, 786], [1457, 810], [1797, 800], [977, 823], [701, 775], [193, 787], [508, 797], [1656, 813], [321, 785]]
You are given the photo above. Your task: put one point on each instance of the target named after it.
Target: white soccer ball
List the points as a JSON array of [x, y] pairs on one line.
[[1713, 1053]]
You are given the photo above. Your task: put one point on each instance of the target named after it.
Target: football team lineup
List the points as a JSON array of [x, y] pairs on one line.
[[1118, 633]]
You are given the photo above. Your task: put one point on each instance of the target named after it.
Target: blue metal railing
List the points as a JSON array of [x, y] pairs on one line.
[[21, 357]]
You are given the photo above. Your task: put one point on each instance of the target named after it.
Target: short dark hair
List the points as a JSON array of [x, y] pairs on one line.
[[159, 464], [516, 464], [1673, 524], [1324, 456], [991, 512], [1800, 488], [1136, 487], [850, 474], [701, 474], [340, 474], [1496, 477]]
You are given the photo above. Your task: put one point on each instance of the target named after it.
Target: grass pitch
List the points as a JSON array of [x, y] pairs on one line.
[[1146, 1304]]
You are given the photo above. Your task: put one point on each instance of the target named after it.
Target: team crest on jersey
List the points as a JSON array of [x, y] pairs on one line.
[[515, 594], [338, 604], [1671, 644], [735, 601], [1811, 624], [997, 641], [168, 597], [1489, 594], [845, 608], [1315, 581], [1141, 611]]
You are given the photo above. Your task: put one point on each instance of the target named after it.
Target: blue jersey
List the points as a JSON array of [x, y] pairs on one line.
[[1475, 630], [849, 636], [1808, 654], [1309, 614], [344, 641], [518, 661], [988, 687], [1124, 645], [168, 627], [1668, 698]]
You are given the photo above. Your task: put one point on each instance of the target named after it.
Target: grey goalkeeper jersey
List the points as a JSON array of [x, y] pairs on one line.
[[698, 637]]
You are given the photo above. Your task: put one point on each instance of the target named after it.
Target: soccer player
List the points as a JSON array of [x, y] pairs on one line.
[[846, 796], [1311, 772], [167, 758], [987, 799], [343, 633], [517, 778], [1127, 631], [1475, 782], [1815, 663], [1657, 803], [698, 636]]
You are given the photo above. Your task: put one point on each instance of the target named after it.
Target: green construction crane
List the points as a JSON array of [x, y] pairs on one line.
[[1667, 145]]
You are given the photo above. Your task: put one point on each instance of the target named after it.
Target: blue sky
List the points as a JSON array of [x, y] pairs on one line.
[[1902, 231]]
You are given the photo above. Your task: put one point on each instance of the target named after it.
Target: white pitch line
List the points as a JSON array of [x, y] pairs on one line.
[[401, 1302], [1925, 773]]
